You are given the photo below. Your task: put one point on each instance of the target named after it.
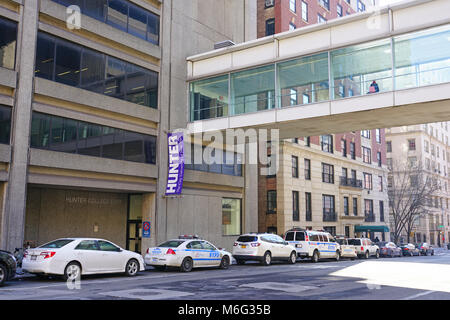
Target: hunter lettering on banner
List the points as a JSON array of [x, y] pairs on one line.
[[176, 163]]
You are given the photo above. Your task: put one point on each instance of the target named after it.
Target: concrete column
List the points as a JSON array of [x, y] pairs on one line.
[[17, 186], [250, 204], [149, 214], [3, 188]]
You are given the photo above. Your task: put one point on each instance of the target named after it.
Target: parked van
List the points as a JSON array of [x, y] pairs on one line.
[[315, 245]]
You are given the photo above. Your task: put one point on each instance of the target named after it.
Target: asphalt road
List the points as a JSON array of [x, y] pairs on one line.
[[405, 278]]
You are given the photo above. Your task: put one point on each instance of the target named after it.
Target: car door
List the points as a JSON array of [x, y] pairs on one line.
[[88, 254], [284, 247], [196, 251], [212, 255], [112, 257]]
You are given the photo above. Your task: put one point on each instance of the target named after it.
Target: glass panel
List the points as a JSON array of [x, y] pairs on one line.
[[150, 149], [133, 149], [112, 143], [95, 9], [92, 71], [209, 98], [5, 124], [68, 59], [253, 90], [153, 28], [118, 14], [115, 75], [107, 246], [135, 212], [137, 22], [8, 38], [45, 57], [307, 76], [422, 58], [231, 217], [40, 130], [141, 86], [362, 69], [89, 139]]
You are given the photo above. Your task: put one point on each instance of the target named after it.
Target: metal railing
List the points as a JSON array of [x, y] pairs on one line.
[[348, 182], [329, 216]]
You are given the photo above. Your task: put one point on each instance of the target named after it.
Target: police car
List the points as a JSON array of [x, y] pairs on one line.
[[187, 252], [315, 245]]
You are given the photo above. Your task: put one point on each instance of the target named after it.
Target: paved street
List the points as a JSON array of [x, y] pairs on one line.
[[405, 278]]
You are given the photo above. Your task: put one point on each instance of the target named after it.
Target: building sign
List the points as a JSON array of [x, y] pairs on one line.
[[176, 163], [146, 229]]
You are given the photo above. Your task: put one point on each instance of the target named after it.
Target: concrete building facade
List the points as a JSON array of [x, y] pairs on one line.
[[84, 117], [428, 146]]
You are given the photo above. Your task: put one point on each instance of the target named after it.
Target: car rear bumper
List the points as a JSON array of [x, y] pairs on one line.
[[37, 267], [248, 257], [161, 261]]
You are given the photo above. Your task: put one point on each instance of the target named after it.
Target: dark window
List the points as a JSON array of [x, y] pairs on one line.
[[45, 57], [325, 4], [379, 158], [73, 136], [299, 236], [8, 40], [367, 181], [368, 211], [308, 206], [5, 124], [137, 22], [381, 211], [346, 209], [329, 213], [378, 135], [339, 10], [355, 206], [271, 201], [294, 167], [327, 143], [295, 206], [352, 151], [270, 27], [344, 147], [90, 70], [307, 169], [68, 59], [412, 145], [117, 14], [95, 9], [388, 146], [308, 141], [327, 173]]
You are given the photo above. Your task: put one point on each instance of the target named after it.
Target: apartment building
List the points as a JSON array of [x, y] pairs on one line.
[[276, 16], [84, 118], [427, 145], [333, 182]]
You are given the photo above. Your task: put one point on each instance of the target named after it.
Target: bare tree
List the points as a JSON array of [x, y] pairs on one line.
[[410, 189]]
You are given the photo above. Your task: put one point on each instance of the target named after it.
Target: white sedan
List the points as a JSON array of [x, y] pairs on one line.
[[74, 257], [187, 254]]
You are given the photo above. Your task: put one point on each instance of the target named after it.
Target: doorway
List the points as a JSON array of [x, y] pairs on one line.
[[134, 223]]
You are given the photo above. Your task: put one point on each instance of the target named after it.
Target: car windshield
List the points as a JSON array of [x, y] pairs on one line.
[[247, 239], [341, 241], [354, 242], [171, 244], [56, 244]]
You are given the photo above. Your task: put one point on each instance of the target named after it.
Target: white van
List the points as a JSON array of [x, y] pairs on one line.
[[315, 245]]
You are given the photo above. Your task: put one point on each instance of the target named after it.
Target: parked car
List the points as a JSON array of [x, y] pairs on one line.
[[389, 249], [426, 249], [187, 252], [75, 257], [410, 250], [313, 244], [263, 247], [365, 248], [7, 267], [347, 250]]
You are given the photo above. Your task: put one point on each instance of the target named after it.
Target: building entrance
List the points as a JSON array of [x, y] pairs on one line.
[[134, 223]]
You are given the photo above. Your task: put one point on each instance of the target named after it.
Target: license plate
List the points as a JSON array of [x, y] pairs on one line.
[[155, 259], [33, 258], [243, 246]]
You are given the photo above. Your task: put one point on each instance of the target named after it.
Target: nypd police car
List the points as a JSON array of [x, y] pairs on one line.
[[315, 245], [186, 253]]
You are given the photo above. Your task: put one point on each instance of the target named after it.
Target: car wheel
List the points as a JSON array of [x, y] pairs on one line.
[[187, 265], [267, 259], [225, 262], [132, 268], [338, 255], [377, 254], [3, 274], [72, 271], [315, 256], [432, 253], [293, 257]]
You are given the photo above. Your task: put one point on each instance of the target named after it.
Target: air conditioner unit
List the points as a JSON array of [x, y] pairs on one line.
[[270, 3]]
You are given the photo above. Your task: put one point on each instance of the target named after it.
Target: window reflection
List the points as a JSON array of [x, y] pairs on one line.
[[8, 39], [87, 69], [5, 124], [73, 136]]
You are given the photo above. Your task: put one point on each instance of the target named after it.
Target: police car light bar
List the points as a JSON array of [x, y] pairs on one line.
[[189, 236]]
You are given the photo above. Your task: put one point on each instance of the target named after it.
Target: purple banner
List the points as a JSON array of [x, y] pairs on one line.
[[176, 163]]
